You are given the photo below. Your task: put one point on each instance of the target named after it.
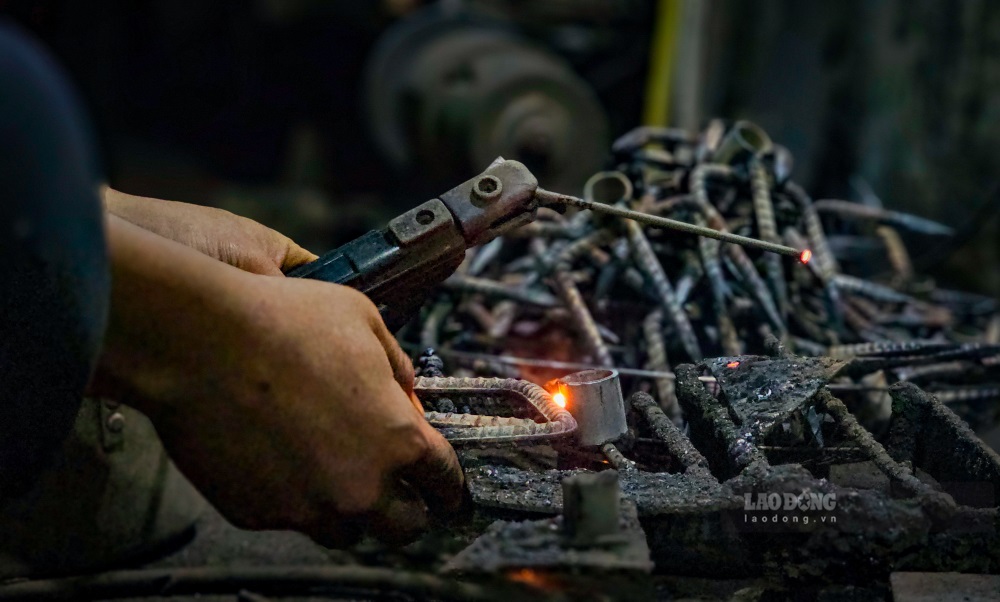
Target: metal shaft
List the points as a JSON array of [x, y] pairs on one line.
[[548, 197]]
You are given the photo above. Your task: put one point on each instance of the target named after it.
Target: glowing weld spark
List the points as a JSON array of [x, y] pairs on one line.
[[805, 256], [733, 365], [532, 578], [559, 398]]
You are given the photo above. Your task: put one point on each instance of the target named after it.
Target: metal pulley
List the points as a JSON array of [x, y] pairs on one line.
[[446, 93]]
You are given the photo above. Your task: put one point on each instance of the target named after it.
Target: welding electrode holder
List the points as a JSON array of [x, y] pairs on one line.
[[398, 266]]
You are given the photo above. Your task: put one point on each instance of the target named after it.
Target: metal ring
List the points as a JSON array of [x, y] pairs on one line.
[[605, 196]]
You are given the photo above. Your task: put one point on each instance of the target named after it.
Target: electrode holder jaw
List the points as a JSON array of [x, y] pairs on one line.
[[494, 202], [398, 266]]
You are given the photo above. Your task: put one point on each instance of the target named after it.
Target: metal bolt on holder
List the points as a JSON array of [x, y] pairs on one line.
[[487, 188]]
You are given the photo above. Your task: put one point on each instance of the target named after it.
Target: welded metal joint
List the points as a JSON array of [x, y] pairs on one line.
[[480, 428]]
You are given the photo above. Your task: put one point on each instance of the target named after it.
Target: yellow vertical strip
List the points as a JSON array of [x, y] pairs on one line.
[[661, 62]]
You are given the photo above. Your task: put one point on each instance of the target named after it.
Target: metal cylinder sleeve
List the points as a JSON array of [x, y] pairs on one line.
[[594, 398]]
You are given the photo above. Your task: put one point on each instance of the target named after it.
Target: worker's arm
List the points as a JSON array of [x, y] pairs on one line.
[[285, 401], [53, 270], [232, 239]]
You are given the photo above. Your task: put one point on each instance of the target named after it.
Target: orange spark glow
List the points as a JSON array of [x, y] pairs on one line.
[[533, 578], [805, 256], [559, 398], [733, 365]]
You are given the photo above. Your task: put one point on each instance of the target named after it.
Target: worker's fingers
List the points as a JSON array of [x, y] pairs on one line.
[[416, 403], [296, 256], [401, 515], [331, 532], [402, 367], [256, 265], [436, 475]]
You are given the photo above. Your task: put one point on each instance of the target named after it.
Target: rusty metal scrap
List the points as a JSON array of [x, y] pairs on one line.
[[541, 544], [581, 289], [764, 391], [693, 495], [903, 220], [823, 401]]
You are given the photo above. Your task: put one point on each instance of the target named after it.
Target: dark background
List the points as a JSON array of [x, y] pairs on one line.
[[260, 107]]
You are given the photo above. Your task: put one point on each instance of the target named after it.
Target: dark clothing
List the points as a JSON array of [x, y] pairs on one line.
[[54, 281]]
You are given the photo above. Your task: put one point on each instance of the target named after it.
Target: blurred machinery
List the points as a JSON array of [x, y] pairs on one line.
[[447, 93]]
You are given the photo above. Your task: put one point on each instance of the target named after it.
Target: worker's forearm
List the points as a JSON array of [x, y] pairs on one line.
[[163, 294]]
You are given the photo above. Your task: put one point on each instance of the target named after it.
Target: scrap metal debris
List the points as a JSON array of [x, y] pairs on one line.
[[591, 289], [595, 532], [763, 392], [698, 496], [515, 545], [810, 389]]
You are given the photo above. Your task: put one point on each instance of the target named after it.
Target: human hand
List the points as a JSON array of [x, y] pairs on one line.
[[286, 402], [230, 238]]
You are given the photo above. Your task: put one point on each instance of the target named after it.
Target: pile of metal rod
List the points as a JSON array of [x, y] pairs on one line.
[[571, 291]]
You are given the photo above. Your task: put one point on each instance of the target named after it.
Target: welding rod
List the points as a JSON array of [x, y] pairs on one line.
[[549, 197], [558, 365], [511, 360]]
